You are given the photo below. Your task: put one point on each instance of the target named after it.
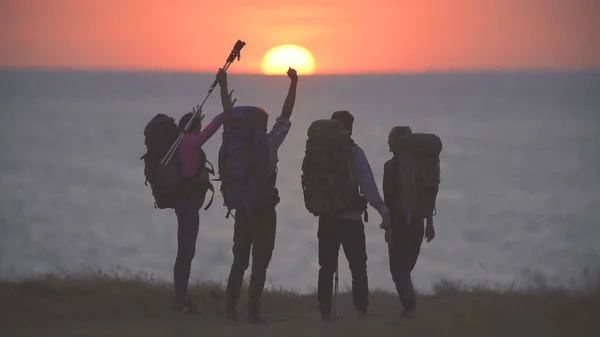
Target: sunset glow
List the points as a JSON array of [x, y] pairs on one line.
[[376, 36], [280, 58]]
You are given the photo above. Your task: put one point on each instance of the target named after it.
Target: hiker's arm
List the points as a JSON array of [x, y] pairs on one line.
[[209, 130], [364, 177], [290, 100], [279, 132], [225, 95], [388, 187]]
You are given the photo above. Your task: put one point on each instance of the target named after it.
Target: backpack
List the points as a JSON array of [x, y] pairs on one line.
[[418, 164], [166, 182], [244, 160], [326, 170]]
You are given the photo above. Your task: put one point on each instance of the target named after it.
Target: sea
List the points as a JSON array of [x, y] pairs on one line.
[[519, 199]]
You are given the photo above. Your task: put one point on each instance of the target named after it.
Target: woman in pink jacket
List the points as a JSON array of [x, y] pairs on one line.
[[191, 158]]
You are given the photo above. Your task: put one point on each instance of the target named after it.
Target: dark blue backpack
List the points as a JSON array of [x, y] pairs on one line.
[[244, 160]]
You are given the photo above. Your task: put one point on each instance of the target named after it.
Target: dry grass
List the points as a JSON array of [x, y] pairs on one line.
[[122, 304]]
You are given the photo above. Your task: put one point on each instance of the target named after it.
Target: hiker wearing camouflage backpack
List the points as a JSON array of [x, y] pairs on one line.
[[337, 183], [411, 181], [247, 171]]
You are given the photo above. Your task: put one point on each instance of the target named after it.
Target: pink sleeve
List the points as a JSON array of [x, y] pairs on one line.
[[209, 130]]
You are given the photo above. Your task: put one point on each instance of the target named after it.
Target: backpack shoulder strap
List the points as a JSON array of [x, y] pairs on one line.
[[211, 169], [211, 188], [353, 147], [222, 157]]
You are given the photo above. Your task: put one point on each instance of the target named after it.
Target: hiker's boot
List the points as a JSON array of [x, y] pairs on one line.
[[186, 308], [231, 315], [325, 312], [234, 287], [254, 316], [231, 312], [408, 313]]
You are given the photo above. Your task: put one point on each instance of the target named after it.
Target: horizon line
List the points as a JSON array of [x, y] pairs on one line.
[[317, 74]]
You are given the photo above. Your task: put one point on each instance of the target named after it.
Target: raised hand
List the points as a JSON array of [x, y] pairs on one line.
[[429, 230], [292, 74], [197, 110], [230, 98], [222, 77], [227, 112]]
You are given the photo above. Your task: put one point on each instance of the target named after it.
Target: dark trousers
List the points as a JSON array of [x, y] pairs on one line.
[[254, 232], [332, 233], [188, 221], [404, 247]]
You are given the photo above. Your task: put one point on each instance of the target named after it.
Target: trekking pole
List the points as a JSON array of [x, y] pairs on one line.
[[335, 291], [235, 53]]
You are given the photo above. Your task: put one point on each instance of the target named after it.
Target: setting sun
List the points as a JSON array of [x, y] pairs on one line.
[[277, 60]]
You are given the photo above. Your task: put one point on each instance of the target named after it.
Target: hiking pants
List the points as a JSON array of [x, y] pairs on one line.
[[403, 249], [188, 221], [350, 234], [254, 232]]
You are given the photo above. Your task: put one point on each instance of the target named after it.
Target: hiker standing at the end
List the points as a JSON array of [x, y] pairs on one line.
[[347, 228], [191, 161], [254, 205], [405, 235]]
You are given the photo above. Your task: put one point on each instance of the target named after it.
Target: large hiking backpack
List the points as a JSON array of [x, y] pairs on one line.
[[418, 163], [244, 160], [326, 169], [166, 182]]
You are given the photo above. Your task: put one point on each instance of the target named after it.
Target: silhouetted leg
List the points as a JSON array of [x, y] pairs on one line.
[[417, 239], [353, 242], [187, 232], [188, 221], [242, 242], [403, 251], [329, 245], [262, 251]]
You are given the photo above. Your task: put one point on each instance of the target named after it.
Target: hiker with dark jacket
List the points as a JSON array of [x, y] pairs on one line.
[[191, 161], [255, 226], [347, 229], [404, 237]]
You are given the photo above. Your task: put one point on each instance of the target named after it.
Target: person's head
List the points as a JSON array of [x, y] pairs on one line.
[[196, 125], [396, 134], [255, 113], [262, 114], [345, 117]]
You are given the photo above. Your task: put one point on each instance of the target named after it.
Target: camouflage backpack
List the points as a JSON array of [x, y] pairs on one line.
[[326, 169]]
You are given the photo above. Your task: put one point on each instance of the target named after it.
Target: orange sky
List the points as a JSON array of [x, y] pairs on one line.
[[344, 36]]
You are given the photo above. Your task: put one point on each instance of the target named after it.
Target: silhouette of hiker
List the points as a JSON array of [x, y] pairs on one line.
[[347, 229], [187, 211], [255, 226], [404, 239]]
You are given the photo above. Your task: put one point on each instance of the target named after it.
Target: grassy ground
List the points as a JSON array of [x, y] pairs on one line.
[[96, 304]]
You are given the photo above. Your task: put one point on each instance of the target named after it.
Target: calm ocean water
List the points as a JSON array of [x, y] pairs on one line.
[[520, 188]]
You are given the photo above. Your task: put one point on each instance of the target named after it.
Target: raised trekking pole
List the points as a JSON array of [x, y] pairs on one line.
[[235, 53]]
